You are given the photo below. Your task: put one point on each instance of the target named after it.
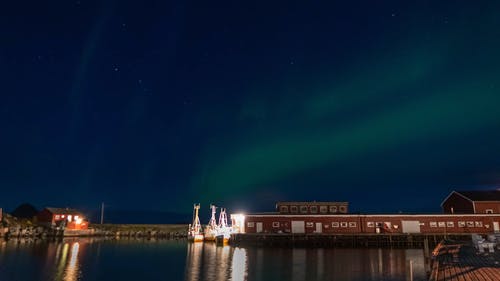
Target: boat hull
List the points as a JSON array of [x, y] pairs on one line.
[[195, 238]]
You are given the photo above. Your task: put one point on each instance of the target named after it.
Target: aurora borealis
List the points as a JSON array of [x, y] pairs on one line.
[[158, 104]]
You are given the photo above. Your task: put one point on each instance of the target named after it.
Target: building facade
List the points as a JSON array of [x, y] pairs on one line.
[[308, 208], [472, 202], [352, 223], [64, 218]]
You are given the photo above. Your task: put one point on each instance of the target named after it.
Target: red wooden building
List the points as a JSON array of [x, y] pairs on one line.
[[468, 212], [390, 223], [62, 218], [472, 202]]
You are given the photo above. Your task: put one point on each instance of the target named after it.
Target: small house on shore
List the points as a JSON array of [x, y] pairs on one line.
[[472, 202], [63, 218]]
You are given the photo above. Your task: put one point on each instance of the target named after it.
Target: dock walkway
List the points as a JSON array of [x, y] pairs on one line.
[[461, 262]]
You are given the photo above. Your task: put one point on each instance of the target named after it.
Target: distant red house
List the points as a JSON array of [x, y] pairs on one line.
[[472, 202], [62, 217]]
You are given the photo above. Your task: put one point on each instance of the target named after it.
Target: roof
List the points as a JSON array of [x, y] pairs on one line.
[[67, 211], [481, 195]]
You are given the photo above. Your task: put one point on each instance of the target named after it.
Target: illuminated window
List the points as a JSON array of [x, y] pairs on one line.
[[314, 209], [370, 224], [433, 224], [335, 224], [57, 217], [294, 209], [323, 209], [470, 224], [479, 224], [441, 224], [461, 224], [352, 224], [284, 209], [450, 224], [309, 224], [276, 224], [303, 209], [333, 209], [62, 216], [250, 224], [343, 224]]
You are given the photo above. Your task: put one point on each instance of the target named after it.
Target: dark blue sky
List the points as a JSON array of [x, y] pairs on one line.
[[155, 105]]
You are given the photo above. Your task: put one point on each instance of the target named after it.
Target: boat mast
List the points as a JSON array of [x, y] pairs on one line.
[[222, 218], [196, 219], [213, 223]]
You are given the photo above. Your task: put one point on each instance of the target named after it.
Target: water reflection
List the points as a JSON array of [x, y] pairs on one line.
[[208, 261], [127, 260], [65, 258]]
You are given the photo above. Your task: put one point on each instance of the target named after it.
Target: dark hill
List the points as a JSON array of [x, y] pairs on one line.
[[25, 211]]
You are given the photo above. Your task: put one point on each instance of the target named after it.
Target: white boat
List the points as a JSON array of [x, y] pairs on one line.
[[195, 233], [211, 228], [223, 232]]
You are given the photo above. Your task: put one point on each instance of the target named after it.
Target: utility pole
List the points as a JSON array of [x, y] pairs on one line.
[[102, 212]]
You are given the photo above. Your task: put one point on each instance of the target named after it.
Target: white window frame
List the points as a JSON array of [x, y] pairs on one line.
[[276, 224]]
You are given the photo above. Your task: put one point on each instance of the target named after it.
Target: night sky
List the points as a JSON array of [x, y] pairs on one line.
[[155, 105]]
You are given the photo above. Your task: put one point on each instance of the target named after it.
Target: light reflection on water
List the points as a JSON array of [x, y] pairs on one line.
[[90, 259]]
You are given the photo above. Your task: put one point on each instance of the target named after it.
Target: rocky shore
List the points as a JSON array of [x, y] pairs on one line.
[[14, 228]]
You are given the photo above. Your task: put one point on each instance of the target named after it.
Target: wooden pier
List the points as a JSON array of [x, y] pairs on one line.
[[395, 240], [461, 262]]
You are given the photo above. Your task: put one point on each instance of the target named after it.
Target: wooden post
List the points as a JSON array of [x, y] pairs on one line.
[[102, 212]]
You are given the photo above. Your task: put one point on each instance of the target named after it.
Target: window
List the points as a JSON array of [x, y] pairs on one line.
[[333, 209], [303, 209], [441, 224], [343, 209], [370, 224], [433, 224], [314, 209], [294, 209], [284, 209], [335, 224], [323, 209], [250, 224], [343, 224], [470, 224], [489, 211], [461, 224], [379, 224], [276, 224], [450, 224], [58, 217], [309, 224], [352, 224], [479, 224]]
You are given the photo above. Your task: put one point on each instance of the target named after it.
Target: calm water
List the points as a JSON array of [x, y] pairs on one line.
[[90, 259]]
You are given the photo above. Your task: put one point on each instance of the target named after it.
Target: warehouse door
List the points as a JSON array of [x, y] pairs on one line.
[[411, 226], [319, 227], [496, 227], [298, 227], [259, 227]]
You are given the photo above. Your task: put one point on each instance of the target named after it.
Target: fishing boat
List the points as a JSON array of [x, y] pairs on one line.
[[194, 232], [223, 230], [211, 228]]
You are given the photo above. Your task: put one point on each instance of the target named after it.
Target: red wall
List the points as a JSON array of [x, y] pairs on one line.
[[459, 204], [359, 224], [481, 207]]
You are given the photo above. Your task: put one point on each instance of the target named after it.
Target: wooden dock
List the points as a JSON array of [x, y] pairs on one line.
[[462, 262]]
